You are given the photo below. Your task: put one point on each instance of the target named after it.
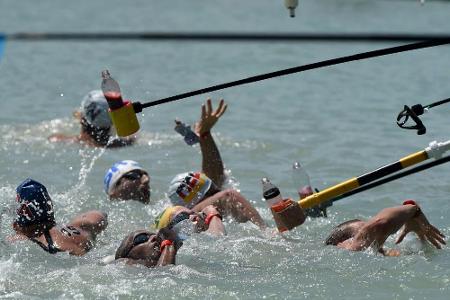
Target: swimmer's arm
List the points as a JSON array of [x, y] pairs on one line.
[[16, 237], [59, 137], [425, 231], [212, 164], [167, 256], [386, 222], [121, 142], [390, 252], [215, 226], [233, 201], [93, 221]]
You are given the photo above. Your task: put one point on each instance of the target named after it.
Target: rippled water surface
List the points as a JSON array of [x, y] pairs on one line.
[[338, 121]]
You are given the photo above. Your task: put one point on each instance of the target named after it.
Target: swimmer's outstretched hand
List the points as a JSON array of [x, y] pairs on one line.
[[424, 230], [209, 117]]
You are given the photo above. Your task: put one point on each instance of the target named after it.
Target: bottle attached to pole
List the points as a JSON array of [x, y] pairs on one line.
[[286, 212], [291, 5], [302, 182], [121, 112], [301, 179]]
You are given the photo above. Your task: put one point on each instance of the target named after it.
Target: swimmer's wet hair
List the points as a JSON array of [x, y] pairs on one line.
[[341, 233]]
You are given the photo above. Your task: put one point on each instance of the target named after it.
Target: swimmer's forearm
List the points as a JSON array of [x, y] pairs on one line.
[[212, 164], [216, 226], [386, 222], [167, 256], [391, 219], [250, 212]]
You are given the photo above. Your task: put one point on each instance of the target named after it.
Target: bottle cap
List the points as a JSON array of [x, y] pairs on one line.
[[105, 74], [271, 193]]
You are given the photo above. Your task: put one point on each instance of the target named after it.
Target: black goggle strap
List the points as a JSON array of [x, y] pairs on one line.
[[178, 218]]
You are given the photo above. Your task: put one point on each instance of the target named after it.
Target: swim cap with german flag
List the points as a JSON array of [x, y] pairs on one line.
[[188, 189]]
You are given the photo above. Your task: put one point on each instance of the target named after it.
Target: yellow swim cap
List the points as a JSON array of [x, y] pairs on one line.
[[164, 218]]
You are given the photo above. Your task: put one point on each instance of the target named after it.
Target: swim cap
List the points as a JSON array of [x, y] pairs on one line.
[[164, 218], [34, 204], [116, 171], [188, 189], [94, 109]]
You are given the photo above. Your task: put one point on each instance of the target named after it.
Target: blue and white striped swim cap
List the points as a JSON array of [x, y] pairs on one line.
[[117, 171]]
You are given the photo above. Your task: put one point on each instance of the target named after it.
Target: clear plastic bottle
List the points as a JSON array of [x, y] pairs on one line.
[[271, 193], [185, 130], [301, 179], [111, 91]]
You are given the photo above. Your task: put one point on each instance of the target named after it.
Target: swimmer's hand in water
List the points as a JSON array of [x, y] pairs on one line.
[[424, 230]]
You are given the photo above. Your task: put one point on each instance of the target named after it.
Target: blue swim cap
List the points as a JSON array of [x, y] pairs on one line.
[[117, 170], [34, 204]]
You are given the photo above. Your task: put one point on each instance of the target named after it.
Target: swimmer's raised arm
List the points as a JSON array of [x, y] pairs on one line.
[[212, 164]]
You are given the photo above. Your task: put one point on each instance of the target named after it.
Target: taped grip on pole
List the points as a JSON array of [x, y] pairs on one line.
[[287, 215], [125, 120], [356, 182]]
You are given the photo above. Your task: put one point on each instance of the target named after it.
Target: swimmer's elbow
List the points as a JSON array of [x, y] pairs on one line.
[[94, 221]]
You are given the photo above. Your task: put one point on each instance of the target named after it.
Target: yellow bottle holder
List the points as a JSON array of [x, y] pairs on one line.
[[125, 120]]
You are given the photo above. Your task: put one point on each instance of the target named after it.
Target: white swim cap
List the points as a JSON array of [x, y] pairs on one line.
[[188, 189], [117, 171], [94, 108]]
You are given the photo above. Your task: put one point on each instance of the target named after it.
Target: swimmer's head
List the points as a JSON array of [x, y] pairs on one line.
[[144, 247], [188, 189], [94, 110], [344, 232], [34, 206], [127, 180]]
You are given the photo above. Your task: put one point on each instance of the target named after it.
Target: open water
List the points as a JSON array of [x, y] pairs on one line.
[[338, 121]]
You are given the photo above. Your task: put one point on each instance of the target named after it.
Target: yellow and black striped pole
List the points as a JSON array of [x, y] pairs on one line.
[[435, 150]]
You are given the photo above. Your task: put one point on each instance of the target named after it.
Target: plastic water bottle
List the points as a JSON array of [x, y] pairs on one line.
[[271, 193], [301, 180], [111, 91], [185, 130], [291, 5]]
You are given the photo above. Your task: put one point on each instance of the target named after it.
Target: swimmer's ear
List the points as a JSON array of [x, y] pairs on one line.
[[77, 114]]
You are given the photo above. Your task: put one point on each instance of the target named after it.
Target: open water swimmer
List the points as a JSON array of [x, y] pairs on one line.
[[35, 221]]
